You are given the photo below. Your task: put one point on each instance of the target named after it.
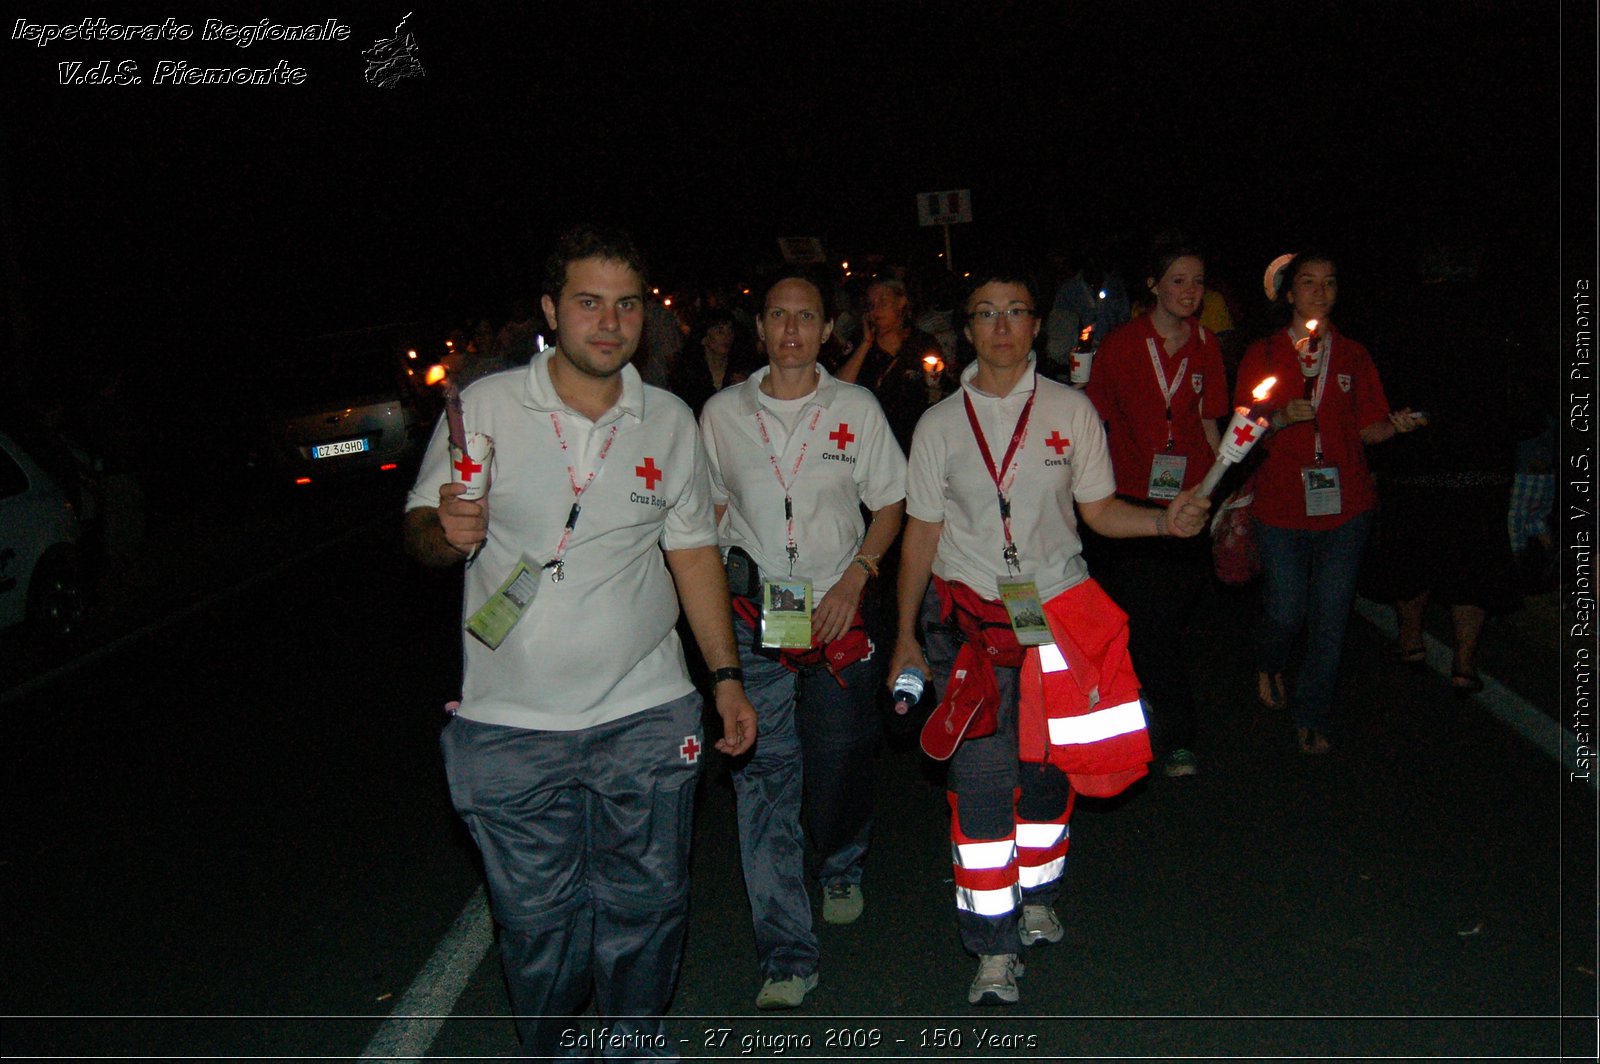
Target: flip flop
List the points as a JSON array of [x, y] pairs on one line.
[[1465, 683], [1271, 691], [1312, 742]]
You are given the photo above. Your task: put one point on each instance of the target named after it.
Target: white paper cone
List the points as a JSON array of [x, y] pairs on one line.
[[1242, 433], [473, 468], [1079, 366]]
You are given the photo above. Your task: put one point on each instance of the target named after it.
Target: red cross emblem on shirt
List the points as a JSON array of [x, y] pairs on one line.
[[1244, 434], [690, 750], [649, 473], [467, 467], [842, 435], [1057, 442]]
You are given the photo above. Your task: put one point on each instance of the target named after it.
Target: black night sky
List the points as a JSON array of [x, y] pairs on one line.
[[172, 227]]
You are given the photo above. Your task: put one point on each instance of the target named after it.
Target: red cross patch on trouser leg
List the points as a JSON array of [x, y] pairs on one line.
[[690, 750]]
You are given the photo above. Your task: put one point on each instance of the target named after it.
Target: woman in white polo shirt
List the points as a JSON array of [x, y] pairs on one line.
[[795, 455], [996, 474]]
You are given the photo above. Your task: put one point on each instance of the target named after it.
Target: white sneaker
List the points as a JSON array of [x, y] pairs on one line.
[[786, 993], [842, 903], [1039, 924], [996, 981]]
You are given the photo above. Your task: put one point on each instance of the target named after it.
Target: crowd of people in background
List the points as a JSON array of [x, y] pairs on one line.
[[1042, 435]]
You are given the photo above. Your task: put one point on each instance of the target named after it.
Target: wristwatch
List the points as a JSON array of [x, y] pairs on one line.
[[732, 673]]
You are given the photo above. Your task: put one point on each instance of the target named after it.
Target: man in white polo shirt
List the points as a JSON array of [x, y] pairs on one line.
[[575, 749], [994, 475]]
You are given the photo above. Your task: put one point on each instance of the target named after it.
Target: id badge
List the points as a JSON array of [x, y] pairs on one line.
[[786, 613], [1322, 490], [1021, 599], [1166, 475], [494, 620]]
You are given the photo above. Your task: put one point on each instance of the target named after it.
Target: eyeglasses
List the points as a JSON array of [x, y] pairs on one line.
[[1014, 315]]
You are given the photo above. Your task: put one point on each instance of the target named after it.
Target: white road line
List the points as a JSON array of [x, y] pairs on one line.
[[1522, 716], [413, 1025], [43, 680]]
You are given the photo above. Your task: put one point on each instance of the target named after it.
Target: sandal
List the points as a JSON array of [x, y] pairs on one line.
[[1466, 683], [1271, 691], [1416, 657], [1312, 741]]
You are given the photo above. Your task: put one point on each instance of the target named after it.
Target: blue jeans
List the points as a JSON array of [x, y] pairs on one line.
[[1309, 581], [816, 745]]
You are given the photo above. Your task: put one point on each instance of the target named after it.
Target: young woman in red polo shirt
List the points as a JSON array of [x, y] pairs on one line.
[[1314, 496], [1159, 385]]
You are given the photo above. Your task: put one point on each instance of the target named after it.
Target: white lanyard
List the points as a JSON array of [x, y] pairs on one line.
[[1167, 391], [790, 548], [558, 570], [1316, 398]]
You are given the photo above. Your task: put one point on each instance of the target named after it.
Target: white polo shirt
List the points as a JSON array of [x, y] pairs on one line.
[[851, 460], [599, 644], [1063, 459]]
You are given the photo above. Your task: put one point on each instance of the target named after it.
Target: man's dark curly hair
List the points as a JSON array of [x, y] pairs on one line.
[[590, 242]]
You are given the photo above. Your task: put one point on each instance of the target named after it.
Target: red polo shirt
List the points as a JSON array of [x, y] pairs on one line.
[[1352, 398], [1125, 390]]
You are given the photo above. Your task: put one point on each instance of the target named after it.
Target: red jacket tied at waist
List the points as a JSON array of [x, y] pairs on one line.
[[1078, 699], [839, 654]]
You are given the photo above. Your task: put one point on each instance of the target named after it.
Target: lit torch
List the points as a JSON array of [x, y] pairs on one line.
[[452, 405], [1248, 425]]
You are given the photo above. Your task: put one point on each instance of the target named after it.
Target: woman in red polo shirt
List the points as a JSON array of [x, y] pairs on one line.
[[1159, 385], [1314, 496]]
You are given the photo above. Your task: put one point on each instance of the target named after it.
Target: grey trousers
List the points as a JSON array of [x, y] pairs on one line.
[[585, 843]]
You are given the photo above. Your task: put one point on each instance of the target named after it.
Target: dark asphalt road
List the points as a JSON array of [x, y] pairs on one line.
[[241, 820]]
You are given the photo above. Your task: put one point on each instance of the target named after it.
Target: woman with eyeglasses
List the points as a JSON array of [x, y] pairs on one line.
[[1159, 386], [1314, 496], [1039, 701]]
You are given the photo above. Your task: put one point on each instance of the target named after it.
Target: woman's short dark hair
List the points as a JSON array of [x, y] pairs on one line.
[[1001, 273], [591, 242], [811, 275]]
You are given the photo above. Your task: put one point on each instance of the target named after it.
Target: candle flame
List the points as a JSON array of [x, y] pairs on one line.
[[933, 363], [434, 375], [1086, 332], [1311, 326], [1263, 389]]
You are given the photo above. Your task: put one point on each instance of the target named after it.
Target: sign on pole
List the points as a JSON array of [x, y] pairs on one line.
[[944, 208], [801, 249]]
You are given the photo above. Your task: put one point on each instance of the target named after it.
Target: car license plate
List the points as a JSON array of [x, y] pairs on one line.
[[331, 450]]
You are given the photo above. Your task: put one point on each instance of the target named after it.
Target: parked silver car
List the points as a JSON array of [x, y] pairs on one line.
[[350, 402], [41, 568]]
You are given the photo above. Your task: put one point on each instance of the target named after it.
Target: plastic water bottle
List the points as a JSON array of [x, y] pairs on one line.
[[908, 689]]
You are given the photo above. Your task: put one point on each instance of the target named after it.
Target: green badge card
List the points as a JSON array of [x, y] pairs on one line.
[[1021, 598], [494, 620], [786, 613]]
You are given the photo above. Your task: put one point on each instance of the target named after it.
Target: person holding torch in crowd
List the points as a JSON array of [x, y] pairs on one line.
[[1314, 496], [1159, 386]]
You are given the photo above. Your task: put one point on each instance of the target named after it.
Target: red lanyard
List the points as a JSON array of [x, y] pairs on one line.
[[1002, 483], [558, 569], [791, 548]]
